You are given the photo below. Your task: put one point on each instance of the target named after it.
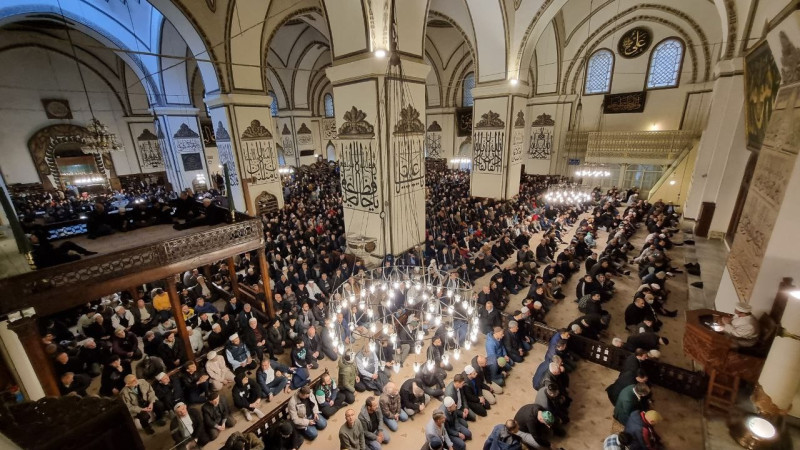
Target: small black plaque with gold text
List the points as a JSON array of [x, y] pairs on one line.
[[629, 102]]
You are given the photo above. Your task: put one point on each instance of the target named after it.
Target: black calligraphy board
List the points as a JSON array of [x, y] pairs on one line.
[[634, 42], [192, 161], [463, 121], [629, 102]]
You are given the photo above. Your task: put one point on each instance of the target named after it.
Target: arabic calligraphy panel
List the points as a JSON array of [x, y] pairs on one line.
[[634, 42], [359, 175], [487, 151]]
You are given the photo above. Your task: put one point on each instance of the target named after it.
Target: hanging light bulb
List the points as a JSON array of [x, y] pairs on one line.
[[371, 346], [340, 347], [393, 338], [372, 328], [383, 286], [467, 345], [438, 320], [410, 300], [470, 310], [396, 367], [370, 313], [363, 293], [352, 326], [420, 335], [474, 337], [416, 367], [457, 354], [450, 332], [385, 328], [352, 298], [449, 293], [430, 365], [445, 359], [338, 309], [408, 284], [418, 348], [372, 289], [431, 307], [396, 285], [428, 316], [450, 310], [362, 305], [458, 298]]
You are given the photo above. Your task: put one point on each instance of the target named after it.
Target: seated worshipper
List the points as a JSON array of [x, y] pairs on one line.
[[238, 355], [436, 353], [513, 345], [247, 396], [436, 436], [64, 363], [535, 422], [638, 312], [474, 391], [304, 413], [210, 215], [373, 378], [631, 398], [455, 390], [122, 318], [218, 372], [504, 436], [554, 374], [284, 437], [187, 424], [624, 380], [328, 397], [306, 317], [646, 341], [168, 391], [351, 434], [328, 341], [195, 339], [126, 345], [742, 327], [590, 325], [276, 337], [144, 317], [641, 425], [161, 304], [591, 304], [99, 223], [201, 306], [428, 378], [313, 347], [45, 254], [255, 338], [112, 380], [619, 441], [455, 424], [348, 377], [496, 356], [481, 367], [301, 357], [391, 406], [371, 420], [489, 317], [216, 416], [151, 342], [195, 383], [550, 398], [69, 383], [388, 351], [171, 351], [412, 398], [141, 400], [272, 378]]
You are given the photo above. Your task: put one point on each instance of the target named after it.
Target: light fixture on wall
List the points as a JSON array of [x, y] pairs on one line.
[[380, 53], [513, 81], [99, 140]]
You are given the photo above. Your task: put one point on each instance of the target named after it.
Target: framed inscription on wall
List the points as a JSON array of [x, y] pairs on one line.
[[634, 42]]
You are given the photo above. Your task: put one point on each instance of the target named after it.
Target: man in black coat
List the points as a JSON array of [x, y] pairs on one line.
[[536, 422], [216, 416], [646, 341], [179, 426]]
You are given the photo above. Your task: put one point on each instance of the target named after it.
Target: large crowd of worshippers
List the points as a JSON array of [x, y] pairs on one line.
[[131, 342]]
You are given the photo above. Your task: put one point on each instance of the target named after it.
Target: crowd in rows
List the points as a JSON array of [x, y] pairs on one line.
[[305, 240]]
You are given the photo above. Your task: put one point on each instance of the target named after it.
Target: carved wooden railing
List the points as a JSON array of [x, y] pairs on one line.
[[279, 413], [674, 378], [106, 273]]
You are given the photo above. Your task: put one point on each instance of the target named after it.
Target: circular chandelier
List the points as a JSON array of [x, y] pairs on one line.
[[587, 172], [383, 302], [565, 194]]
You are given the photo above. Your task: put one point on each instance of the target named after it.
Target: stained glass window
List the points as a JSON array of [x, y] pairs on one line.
[[328, 105], [466, 94], [598, 72], [665, 64], [274, 106]]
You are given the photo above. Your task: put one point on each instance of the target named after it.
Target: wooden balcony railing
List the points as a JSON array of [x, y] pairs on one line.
[[56, 288]]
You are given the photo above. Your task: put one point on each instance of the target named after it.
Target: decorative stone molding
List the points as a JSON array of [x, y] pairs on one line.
[[256, 131], [409, 122], [790, 60], [490, 119], [544, 120], [520, 120], [303, 129], [221, 134], [355, 124], [184, 132], [434, 127]]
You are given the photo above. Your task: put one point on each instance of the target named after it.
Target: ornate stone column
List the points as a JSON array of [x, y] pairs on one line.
[[245, 124], [28, 332], [498, 140], [182, 148], [381, 137]]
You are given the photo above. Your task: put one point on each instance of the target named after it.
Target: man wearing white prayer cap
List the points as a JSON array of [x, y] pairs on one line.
[[742, 326]]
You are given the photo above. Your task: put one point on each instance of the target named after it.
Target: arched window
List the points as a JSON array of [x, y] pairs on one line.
[[274, 106], [328, 105], [598, 72], [665, 64], [466, 90]]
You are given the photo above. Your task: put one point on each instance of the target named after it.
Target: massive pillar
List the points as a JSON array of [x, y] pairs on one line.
[[381, 133], [498, 140], [244, 131], [779, 378], [300, 136], [182, 148], [722, 154]]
